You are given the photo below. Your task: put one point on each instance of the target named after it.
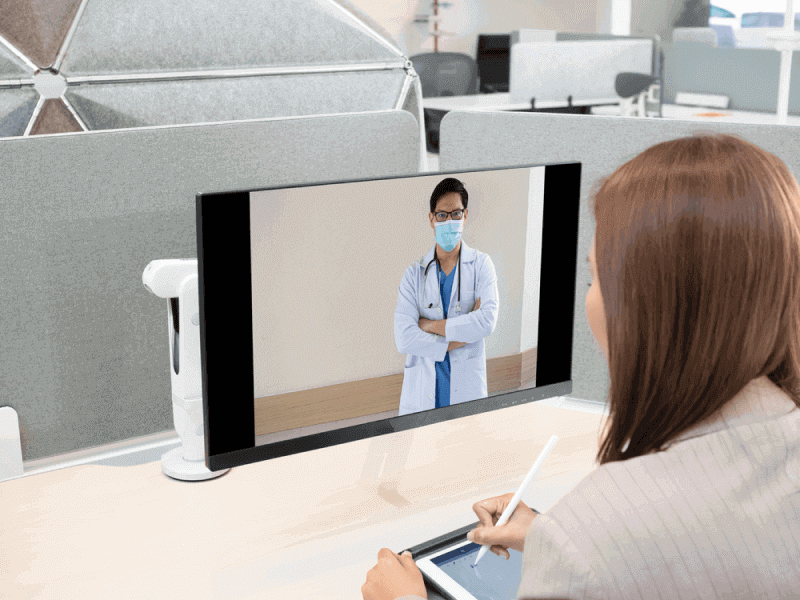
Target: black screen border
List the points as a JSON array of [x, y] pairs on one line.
[[229, 425]]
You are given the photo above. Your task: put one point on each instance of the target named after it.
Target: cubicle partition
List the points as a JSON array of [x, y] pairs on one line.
[[481, 140], [655, 69], [105, 64], [84, 358], [748, 76], [578, 70], [494, 54]]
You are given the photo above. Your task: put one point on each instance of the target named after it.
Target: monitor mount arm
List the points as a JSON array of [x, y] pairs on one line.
[[176, 280]]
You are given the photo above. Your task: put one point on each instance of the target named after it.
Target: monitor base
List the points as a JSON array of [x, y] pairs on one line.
[[175, 466]]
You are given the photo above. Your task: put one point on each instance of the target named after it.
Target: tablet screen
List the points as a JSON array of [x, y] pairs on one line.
[[494, 578]]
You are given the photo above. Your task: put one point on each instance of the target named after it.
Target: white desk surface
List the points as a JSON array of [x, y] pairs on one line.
[[305, 527], [696, 113], [500, 101], [493, 102]]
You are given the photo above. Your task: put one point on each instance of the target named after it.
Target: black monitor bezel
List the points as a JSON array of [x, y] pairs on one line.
[[494, 62], [229, 427]]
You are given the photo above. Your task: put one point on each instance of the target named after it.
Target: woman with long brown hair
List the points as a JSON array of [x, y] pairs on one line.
[[695, 302]]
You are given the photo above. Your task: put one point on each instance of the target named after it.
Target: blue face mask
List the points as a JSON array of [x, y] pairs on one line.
[[449, 233]]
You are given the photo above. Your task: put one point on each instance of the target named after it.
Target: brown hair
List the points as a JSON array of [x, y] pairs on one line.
[[698, 260]]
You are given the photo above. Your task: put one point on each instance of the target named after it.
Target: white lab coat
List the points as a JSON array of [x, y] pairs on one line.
[[468, 363]]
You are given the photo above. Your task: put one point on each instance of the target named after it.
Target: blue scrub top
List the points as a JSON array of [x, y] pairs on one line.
[[443, 368]]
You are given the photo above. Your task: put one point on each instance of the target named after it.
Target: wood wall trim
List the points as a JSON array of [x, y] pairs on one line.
[[371, 396], [528, 376]]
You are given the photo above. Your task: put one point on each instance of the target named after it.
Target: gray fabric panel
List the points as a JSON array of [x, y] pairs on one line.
[[97, 115], [84, 357], [110, 106], [566, 36], [16, 109], [602, 144], [152, 35], [411, 105], [11, 67], [749, 76]]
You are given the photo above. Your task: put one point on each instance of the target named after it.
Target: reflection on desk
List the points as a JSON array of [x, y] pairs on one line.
[[93, 529]]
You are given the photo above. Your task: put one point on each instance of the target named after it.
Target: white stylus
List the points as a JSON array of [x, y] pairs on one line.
[[512, 506]]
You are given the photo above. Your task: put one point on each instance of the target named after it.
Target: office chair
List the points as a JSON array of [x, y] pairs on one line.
[[706, 35], [725, 36], [446, 74], [636, 89], [443, 74]]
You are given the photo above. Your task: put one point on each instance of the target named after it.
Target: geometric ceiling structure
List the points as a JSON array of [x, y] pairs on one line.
[[88, 65]]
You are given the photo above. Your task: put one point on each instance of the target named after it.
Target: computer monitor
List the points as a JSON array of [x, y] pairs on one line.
[[494, 62], [313, 333]]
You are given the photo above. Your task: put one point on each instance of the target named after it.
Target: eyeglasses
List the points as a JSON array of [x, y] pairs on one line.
[[455, 214]]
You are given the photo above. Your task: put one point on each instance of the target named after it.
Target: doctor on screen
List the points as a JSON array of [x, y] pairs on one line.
[[446, 305]]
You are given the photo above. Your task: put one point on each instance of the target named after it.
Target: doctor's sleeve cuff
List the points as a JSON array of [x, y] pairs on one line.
[[467, 328], [441, 347], [410, 339]]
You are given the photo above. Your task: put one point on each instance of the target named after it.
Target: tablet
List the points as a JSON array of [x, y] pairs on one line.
[[494, 578]]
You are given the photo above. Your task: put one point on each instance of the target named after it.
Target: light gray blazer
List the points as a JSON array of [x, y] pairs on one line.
[[714, 515]]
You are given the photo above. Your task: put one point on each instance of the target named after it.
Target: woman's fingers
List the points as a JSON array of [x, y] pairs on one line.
[[487, 512], [500, 551]]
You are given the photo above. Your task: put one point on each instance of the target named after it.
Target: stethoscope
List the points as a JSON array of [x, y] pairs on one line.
[[438, 280]]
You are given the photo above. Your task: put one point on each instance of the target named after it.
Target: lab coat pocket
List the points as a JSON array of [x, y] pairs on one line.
[[474, 350], [434, 313], [475, 383], [412, 360], [410, 394]]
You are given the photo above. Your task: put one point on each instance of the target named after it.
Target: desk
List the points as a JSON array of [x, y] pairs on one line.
[[503, 102], [436, 108], [305, 527], [696, 113]]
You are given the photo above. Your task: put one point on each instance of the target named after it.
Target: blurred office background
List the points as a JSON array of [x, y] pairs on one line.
[[77, 65], [72, 66]]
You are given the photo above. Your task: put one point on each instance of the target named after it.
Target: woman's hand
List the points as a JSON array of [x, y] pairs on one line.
[[393, 577], [510, 535]]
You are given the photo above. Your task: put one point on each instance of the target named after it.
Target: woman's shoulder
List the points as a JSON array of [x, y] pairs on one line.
[[710, 475], [635, 522]]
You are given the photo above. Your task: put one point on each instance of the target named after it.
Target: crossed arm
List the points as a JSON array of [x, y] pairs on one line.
[[438, 327]]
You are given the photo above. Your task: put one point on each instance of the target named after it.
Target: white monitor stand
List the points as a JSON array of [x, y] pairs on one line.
[[176, 280]]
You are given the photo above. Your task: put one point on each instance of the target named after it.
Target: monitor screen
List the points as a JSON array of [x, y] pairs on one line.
[[494, 62], [339, 311]]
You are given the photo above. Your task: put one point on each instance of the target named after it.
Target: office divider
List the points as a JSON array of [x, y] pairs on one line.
[[84, 357], [748, 76], [68, 66], [581, 70], [492, 139], [567, 36]]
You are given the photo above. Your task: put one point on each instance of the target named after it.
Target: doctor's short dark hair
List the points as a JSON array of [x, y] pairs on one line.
[[451, 184]]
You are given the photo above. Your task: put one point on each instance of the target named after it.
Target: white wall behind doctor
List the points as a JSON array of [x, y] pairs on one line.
[[328, 262], [529, 331]]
